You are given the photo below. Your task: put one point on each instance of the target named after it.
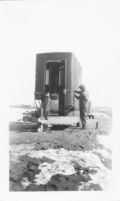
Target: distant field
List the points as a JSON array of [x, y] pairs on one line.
[[22, 106], [105, 110]]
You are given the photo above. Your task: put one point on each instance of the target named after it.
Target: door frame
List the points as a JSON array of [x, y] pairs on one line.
[[62, 95], [59, 61]]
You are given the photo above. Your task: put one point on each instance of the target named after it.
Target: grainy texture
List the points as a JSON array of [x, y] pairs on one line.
[[62, 160]]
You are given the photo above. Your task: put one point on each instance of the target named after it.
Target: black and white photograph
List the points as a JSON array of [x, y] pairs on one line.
[[59, 58], [62, 141]]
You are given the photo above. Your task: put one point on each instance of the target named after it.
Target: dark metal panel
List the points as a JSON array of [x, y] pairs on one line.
[[68, 82], [62, 92], [76, 77], [40, 77]]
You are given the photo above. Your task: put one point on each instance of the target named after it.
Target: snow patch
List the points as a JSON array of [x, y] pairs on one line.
[[48, 170], [105, 140], [64, 164]]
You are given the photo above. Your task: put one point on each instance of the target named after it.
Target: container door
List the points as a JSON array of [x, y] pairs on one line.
[[62, 90]]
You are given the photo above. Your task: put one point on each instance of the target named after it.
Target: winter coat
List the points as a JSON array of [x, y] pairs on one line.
[[83, 100]]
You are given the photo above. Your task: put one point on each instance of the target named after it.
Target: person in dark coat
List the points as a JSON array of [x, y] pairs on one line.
[[45, 105], [82, 96]]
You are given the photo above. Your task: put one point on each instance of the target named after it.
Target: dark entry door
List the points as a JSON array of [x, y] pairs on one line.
[[54, 77], [62, 90]]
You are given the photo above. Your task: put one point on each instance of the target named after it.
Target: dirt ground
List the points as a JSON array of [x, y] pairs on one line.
[[63, 160]]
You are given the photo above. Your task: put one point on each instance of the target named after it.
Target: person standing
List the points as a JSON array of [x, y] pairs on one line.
[[82, 96], [45, 104]]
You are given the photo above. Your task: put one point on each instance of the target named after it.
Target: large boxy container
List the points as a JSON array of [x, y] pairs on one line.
[[59, 74]]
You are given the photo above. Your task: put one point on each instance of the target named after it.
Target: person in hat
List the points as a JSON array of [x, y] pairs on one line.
[[82, 96]]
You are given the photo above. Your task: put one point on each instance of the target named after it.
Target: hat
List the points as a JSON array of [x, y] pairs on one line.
[[82, 87]]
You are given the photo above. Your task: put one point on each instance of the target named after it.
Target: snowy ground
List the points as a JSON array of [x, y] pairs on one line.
[[64, 160]]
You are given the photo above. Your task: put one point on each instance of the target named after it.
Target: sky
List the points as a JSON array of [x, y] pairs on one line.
[[88, 28]]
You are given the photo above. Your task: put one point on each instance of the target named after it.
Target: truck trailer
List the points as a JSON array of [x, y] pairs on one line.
[[59, 74]]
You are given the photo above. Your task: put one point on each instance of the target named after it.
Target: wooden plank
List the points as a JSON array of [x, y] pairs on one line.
[[60, 120]]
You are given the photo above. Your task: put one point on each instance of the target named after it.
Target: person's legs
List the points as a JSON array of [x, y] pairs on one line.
[[45, 113], [83, 118]]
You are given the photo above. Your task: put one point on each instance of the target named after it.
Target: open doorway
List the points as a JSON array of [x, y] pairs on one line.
[[55, 85]]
